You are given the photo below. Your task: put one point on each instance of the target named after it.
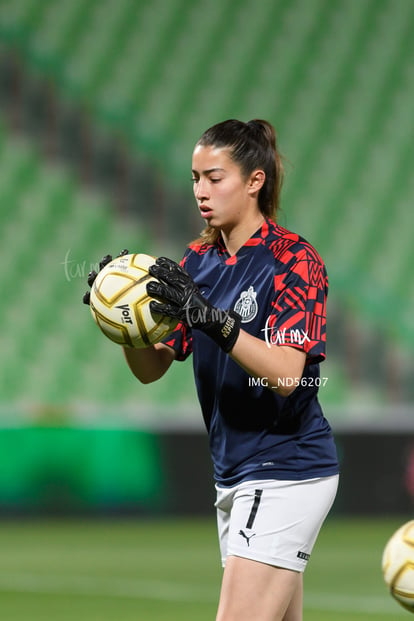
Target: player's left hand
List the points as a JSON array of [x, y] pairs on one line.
[[181, 298], [93, 274]]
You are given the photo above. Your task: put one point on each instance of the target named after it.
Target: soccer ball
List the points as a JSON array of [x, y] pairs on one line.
[[119, 303], [398, 565]]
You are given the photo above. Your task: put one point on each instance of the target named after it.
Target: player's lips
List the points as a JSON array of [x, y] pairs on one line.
[[205, 211]]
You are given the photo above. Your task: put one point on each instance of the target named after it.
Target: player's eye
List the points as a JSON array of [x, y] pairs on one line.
[[215, 179]]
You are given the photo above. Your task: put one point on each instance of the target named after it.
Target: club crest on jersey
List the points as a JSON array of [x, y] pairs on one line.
[[246, 305]]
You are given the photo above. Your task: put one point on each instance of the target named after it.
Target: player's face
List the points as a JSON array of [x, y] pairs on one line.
[[223, 195]]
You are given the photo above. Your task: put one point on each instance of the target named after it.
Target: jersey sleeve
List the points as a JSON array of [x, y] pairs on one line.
[[299, 305], [181, 341]]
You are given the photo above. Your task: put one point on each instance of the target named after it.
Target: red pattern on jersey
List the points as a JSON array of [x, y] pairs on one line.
[[231, 260], [254, 241], [180, 333], [200, 247], [301, 287]]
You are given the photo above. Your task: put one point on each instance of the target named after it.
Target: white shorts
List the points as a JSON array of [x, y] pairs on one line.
[[274, 522]]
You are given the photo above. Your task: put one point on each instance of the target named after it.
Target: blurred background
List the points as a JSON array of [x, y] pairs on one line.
[[101, 103]]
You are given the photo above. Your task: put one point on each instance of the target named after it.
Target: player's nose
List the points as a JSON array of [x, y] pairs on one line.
[[201, 190]]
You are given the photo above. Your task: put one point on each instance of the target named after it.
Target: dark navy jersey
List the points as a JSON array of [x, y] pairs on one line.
[[278, 284]]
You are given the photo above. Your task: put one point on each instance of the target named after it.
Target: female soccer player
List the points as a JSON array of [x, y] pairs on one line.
[[250, 297]]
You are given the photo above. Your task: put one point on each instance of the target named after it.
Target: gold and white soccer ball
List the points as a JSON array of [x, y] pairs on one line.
[[398, 565], [119, 303]]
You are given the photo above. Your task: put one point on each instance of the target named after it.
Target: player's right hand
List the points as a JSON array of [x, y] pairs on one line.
[[178, 296], [93, 274]]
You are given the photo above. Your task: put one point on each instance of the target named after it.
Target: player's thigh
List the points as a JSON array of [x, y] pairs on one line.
[[252, 590], [294, 611]]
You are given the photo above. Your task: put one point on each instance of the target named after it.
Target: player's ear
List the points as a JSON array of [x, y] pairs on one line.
[[256, 181]]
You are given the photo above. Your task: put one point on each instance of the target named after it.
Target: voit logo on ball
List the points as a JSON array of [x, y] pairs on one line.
[[246, 305], [126, 313]]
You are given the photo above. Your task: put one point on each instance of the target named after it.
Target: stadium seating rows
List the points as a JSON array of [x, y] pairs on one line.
[[336, 79], [52, 234]]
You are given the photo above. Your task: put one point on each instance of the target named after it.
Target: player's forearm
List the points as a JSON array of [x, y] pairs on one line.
[[275, 363], [150, 363]]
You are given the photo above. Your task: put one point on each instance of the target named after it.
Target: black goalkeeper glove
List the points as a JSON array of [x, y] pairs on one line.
[[93, 274], [181, 298]]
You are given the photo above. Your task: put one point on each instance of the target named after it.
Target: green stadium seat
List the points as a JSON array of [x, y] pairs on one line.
[[50, 36]]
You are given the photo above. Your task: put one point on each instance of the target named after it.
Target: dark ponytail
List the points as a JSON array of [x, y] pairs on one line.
[[252, 146], [271, 163]]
